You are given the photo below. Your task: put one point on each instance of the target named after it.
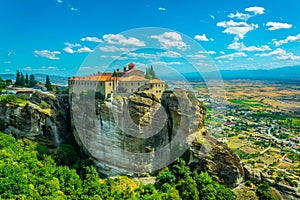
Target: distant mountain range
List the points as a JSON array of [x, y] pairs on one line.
[[283, 73], [57, 80]]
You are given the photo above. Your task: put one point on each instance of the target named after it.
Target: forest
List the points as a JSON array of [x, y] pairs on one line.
[[31, 171]]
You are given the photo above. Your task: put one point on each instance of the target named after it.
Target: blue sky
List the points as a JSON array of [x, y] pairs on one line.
[[63, 36]]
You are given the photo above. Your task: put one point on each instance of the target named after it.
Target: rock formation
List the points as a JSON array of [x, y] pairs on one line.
[[140, 134], [49, 125]]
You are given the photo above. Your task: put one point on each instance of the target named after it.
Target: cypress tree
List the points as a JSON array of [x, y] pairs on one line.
[[22, 83], [48, 84], [32, 81], [26, 79], [18, 78]]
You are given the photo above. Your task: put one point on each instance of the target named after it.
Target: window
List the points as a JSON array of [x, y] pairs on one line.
[[109, 84], [131, 83]]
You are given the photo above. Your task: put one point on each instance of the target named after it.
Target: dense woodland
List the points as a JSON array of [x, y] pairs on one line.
[[31, 171]]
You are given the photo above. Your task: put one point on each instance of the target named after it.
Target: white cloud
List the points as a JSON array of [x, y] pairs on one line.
[[166, 63], [119, 57], [207, 52], [241, 47], [201, 54], [211, 16], [170, 39], [115, 49], [290, 38], [196, 56], [59, 1], [256, 10], [277, 25], [241, 16], [69, 47], [27, 68], [7, 62], [280, 54], [121, 40], [53, 68], [84, 50], [142, 55], [240, 29], [222, 52], [68, 50], [162, 9], [201, 37], [91, 39], [170, 54], [233, 55], [48, 54]]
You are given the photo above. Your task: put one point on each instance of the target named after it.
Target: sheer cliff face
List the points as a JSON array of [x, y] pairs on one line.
[[48, 125], [139, 133]]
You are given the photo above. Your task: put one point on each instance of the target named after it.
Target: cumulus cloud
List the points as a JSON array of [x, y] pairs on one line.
[[162, 9], [290, 38], [59, 1], [256, 10], [277, 25], [69, 47], [115, 49], [280, 54], [170, 39], [196, 56], [84, 50], [206, 52], [47, 54], [241, 47], [233, 55], [170, 54], [91, 39], [240, 29], [122, 40], [241, 16], [201, 37]]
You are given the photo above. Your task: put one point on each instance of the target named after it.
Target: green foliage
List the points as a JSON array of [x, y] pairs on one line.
[[150, 73], [32, 81], [30, 171], [44, 105], [66, 155], [18, 78], [114, 74], [26, 79], [264, 192], [191, 185], [3, 125], [10, 98], [48, 84]]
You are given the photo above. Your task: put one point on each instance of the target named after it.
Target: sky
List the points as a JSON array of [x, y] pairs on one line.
[[69, 37]]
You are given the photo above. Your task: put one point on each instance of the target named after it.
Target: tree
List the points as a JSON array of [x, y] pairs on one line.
[[114, 74], [48, 84], [22, 83], [26, 79], [150, 73], [32, 81], [18, 78]]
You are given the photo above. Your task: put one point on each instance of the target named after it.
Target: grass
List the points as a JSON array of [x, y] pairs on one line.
[[248, 103]]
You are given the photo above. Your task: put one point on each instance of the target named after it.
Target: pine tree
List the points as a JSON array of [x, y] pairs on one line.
[[48, 84], [152, 72], [32, 81], [18, 78], [114, 74], [26, 79], [22, 83]]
